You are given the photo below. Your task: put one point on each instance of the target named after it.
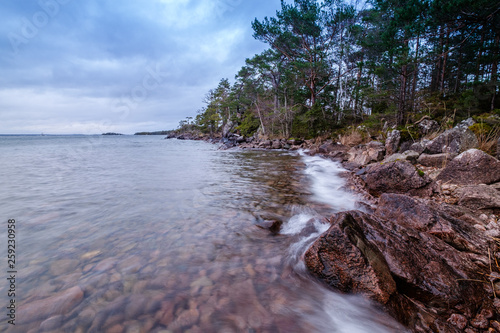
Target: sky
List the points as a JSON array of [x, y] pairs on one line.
[[96, 66]]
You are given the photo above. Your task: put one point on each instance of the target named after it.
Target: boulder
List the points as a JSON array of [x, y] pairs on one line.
[[455, 140], [276, 144], [392, 142], [427, 126], [409, 255], [472, 167], [479, 198], [409, 155], [436, 160], [398, 177], [376, 150], [265, 144], [419, 146], [498, 148]]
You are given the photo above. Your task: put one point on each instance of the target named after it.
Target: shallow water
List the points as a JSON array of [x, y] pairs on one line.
[[163, 236]]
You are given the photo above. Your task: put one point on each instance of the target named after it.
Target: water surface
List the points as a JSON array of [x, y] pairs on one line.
[[163, 236]]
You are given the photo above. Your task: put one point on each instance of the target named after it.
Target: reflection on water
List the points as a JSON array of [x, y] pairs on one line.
[[139, 234]]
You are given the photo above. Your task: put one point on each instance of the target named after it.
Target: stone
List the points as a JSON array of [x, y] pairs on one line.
[[64, 266], [479, 198], [276, 144], [61, 303], [52, 323], [498, 148], [455, 140], [458, 320], [419, 146], [265, 144], [376, 151], [435, 160], [409, 155], [397, 177], [392, 142], [471, 167], [185, 319], [428, 126], [480, 322], [343, 258], [365, 154], [410, 254]]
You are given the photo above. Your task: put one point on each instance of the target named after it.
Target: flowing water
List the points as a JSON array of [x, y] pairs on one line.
[[141, 234]]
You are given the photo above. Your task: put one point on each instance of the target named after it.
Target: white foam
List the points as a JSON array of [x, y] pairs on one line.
[[326, 184]]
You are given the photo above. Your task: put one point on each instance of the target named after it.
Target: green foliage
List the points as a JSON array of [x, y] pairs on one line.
[[420, 172], [480, 129], [249, 125]]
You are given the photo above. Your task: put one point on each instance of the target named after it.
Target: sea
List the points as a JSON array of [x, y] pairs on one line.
[[142, 234]]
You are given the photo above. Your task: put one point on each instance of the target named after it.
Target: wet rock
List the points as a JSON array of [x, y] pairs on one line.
[[392, 142], [455, 141], [265, 144], [64, 266], [276, 144], [52, 323], [471, 167], [410, 255], [335, 151], [105, 265], [436, 160], [409, 155], [185, 319], [60, 303], [343, 258], [397, 177], [479, 198], [90, 255]]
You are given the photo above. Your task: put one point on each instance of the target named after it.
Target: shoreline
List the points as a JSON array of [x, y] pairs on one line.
[[427, 245]]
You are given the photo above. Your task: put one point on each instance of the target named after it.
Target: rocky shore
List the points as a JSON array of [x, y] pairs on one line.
[[427, 244]]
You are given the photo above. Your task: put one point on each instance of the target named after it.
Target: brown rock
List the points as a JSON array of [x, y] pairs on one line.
[[61, 303], [344, 259], [52, 323], [64, 266], [436, 160], [397, 177], [479, 198], [458, 321], [472, 167], [480, 322]]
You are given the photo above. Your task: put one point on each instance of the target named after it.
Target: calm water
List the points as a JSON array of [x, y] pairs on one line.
[[141, 234]]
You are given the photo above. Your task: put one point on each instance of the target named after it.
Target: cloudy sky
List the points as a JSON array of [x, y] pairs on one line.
[[94, 66]]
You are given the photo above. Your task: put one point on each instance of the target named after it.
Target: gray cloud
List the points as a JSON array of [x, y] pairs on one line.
[[92, 66]]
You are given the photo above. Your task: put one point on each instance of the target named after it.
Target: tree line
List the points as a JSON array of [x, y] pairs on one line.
[[334, 62]]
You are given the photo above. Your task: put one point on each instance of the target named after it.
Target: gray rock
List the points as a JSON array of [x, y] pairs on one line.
[[498, 148], [472, 167], [465, 124], [419, 146], [427, 126], [409, 155], [436, 160], [455, 140], [276, 144], [392, 142]]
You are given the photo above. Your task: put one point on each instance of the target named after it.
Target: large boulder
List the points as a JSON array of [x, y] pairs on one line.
[[398, 177], [410, 255], [455, 140], [472, 167], [334, 150], [392, 142]]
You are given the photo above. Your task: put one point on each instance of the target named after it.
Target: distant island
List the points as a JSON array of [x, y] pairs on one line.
[[111, 133], [154, 133]]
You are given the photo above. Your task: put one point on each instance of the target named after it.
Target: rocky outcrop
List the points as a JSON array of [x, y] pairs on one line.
[[414, 257], [397, 177], [472, 167]]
